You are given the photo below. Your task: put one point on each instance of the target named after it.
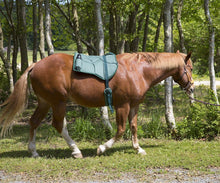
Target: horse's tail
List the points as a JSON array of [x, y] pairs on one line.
[[16, 102]]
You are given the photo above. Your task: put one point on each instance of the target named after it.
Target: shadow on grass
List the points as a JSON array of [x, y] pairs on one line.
[[66, 153]]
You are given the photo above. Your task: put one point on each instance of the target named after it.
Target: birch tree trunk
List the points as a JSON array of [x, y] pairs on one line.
[[76, 27], [104, 110], [179, 26], [169, 81], [41, 29], [48, 28], [22, 33], [211, 49], [5, 60]]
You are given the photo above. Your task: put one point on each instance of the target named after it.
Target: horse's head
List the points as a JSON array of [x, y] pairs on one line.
[[184, 75]]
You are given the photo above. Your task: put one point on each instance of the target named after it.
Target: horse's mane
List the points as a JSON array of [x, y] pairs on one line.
[[162, 60]]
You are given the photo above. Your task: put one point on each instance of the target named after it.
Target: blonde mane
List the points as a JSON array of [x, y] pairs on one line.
[[162, 60]]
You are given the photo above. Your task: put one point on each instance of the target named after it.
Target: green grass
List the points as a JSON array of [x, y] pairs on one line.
[[121, 161], [56, 162]]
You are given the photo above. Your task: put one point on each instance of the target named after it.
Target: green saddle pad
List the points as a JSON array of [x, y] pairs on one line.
[[95, 65]]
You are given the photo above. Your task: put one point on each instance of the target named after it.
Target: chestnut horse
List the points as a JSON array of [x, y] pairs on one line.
[[54, 83]]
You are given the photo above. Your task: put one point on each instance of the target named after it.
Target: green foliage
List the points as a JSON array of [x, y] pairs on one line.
[[88, 127], [155, 128], [4, 87], [201, 122]]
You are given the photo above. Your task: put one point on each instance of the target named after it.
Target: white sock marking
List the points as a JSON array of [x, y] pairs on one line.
[[68, 139]]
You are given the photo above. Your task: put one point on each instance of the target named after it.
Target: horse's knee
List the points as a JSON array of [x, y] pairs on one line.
[[120, 132], [58, 126], [133, 128]]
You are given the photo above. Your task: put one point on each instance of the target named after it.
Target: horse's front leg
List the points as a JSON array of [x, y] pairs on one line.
[[132, 117], [121, 117]]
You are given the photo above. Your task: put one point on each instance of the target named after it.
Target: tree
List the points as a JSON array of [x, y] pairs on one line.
[[146, 28], [48, 28], [41, 29], [5, 59], [9, 16], [104, 110], [34, 2], [168, 82], [179, 26], [21, 16], [76, 26], [211, 49], [72, 19], [158, 30], [131, 28]]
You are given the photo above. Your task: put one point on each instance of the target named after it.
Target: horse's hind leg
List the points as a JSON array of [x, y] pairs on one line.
[[132, 117], [34, 122], [59, 122]]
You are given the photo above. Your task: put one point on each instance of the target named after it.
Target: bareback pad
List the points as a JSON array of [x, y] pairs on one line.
[[95, 65]]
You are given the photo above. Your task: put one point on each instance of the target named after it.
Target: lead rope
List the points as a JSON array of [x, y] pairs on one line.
[[200, 101]]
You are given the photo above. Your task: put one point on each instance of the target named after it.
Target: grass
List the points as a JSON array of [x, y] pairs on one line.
[[56, 162], [121, 161]]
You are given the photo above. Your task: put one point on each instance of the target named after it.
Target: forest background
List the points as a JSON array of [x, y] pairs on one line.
[[129, 26]]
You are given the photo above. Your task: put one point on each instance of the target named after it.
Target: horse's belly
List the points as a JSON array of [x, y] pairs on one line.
[[89, 94]]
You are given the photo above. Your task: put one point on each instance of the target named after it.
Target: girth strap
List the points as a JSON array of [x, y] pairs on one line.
[[107, 91]]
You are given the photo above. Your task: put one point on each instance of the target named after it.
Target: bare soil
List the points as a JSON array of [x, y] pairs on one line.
[[152, 175]]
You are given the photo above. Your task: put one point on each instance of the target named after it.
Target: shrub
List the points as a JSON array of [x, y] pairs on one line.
[[202, 121]]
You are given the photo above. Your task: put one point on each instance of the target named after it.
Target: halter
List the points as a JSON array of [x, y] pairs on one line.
[[190, 79]]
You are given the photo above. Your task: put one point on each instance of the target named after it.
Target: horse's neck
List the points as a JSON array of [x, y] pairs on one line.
[[154, 76]]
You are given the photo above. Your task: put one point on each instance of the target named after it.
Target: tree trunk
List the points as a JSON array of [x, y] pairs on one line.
[[22, 33], [179, 26], [104, 110], [158, 30], [135, 42], [9, 6], [112, 30], [146, 28], [5, 60], [145, 32], [14, 56], [34, 2], [168, 82], [211, 49], [41, 29], [76, 27], [48, 28], [131, 29]]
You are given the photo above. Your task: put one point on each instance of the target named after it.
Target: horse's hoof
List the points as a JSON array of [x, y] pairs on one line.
[[142, 152], [100, 150], [77, 155]]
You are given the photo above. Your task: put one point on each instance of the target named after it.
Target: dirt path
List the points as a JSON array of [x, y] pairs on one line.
[[152, 175], [206, 83]]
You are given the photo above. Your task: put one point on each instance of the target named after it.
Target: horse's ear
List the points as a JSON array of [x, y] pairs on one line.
[[177, 51], [188, 57]]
